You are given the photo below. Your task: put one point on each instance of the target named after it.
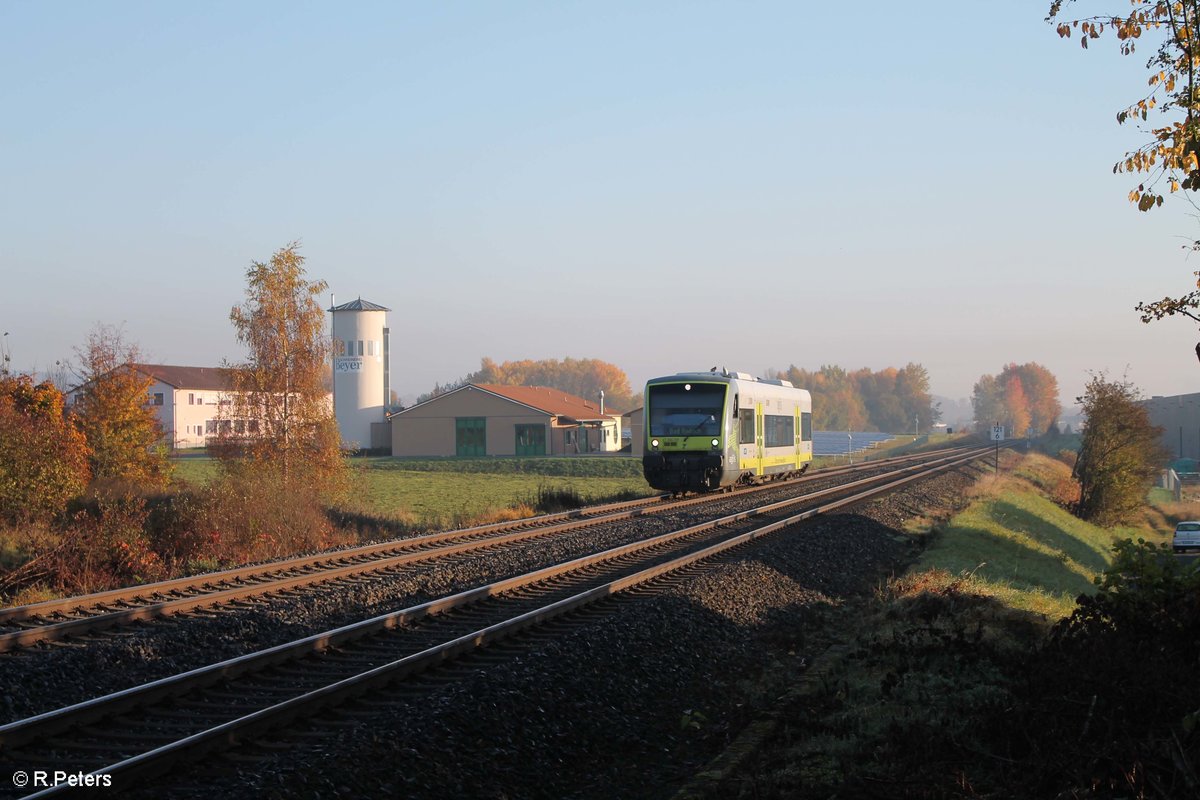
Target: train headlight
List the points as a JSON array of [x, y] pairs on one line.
[[654, 442], [716, 442]]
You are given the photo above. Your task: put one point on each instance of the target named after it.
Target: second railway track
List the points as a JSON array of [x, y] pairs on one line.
[[173, 718], [85, 615]]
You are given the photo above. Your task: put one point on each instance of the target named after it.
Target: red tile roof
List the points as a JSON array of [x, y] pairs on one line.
[[551, 401]]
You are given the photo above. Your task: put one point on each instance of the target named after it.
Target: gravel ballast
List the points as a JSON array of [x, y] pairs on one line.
[[52, 675], [629, 700]]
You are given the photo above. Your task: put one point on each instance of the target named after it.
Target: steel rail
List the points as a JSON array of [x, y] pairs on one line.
[[49, 723], [332, 566], [249, 726]]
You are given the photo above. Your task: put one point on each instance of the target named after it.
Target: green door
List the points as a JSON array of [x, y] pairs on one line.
[[531, 440], [470, 436]]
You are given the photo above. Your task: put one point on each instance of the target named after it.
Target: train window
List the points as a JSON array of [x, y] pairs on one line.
[[806, 426], [746, 417], [780, 431], [694, 409]]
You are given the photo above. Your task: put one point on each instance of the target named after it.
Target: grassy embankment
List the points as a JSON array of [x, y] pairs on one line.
[[907, 704]]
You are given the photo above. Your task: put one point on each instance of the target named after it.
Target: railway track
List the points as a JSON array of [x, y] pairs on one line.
[[143, 730], [56, 620]]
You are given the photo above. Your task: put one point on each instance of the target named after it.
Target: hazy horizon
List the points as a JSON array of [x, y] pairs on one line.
[[662, 186]]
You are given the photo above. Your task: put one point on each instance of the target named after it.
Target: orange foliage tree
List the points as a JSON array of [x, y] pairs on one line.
[[582, 377], [112, 410], [888, 400], [43, 457], [1023, 398]]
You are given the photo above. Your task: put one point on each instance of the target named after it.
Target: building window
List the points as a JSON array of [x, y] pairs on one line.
[[531, 440], [349, 347], [370, 347], [191, 398], [156, 399], [470, 436], [210, 426], [360, 347]]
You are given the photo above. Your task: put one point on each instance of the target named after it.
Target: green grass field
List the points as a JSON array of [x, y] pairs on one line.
[[449, 491]]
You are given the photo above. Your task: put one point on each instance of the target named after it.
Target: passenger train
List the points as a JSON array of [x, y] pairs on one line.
[[714, 430]]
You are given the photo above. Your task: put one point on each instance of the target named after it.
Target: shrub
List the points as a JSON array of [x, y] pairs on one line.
[[252, 516], [1111, 702], [43, 458], [1119, 455], [105, 545]]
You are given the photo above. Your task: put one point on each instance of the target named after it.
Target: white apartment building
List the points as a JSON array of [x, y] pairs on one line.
[[186, 400]]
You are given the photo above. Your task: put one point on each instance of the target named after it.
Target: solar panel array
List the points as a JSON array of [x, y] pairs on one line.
[[838, 443]]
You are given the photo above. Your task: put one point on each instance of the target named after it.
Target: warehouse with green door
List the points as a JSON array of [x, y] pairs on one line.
[[492, 420]]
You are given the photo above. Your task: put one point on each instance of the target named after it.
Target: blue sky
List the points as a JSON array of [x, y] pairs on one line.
[[665, 186]]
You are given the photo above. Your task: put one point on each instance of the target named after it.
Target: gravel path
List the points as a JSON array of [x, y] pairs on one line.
[[629, 704]]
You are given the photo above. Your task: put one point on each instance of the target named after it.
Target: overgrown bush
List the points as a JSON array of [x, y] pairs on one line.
[[550, 499], [1112, 705], [43, 457], [250, 517], [1119, 455], [105, 544]]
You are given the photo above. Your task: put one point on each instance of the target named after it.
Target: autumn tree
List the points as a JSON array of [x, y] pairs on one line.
[[837, 402], [987, 401], [279, 413], [1041, 392], [43, 457], [1170, 160], [582, 377], [113, 412], [888, 400], [1016, 405], [1023, 397], [1120, 453]]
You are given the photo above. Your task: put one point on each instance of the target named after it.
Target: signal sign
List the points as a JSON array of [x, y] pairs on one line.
[[997, 433]]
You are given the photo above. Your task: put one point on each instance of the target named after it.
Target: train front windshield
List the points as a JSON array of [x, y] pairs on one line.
[[686, 409]]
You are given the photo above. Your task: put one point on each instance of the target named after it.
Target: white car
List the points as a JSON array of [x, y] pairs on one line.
[[1187, 534]]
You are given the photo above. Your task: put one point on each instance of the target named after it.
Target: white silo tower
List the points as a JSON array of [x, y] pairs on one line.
[[361, 379]]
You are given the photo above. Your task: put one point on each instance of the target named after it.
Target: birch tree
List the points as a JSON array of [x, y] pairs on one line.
[[279, 414]]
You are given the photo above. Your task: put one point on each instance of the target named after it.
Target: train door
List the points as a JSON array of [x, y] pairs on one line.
[[798, 434], [759, 430], [747, 449]]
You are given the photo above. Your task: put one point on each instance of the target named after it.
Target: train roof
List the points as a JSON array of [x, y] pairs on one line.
[[724, 375]]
